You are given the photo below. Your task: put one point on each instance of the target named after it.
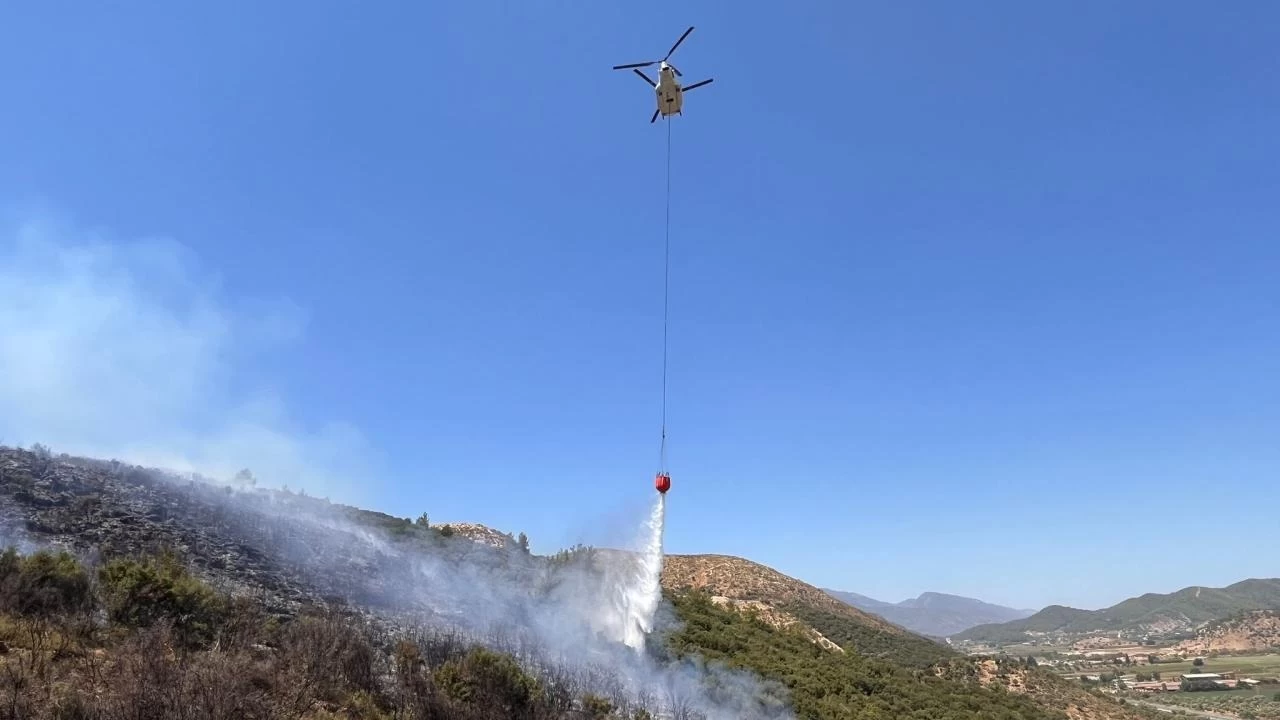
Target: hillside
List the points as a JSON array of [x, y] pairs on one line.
[[898, 667], [1152, 615], [742, 580], [934, 614], [1252, 631], [337, 602]]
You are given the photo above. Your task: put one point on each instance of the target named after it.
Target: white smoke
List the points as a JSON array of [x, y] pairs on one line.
[[12, 536], [126, 349], [597, 610]]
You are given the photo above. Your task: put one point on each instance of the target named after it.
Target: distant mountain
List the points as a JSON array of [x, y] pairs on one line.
[[862, 602], [933, 614], [1152, 615]]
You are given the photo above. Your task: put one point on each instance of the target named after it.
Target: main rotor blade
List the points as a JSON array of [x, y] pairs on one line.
[[687, 88], [636, 65], [682, 37], [646, 78], [655, 117]]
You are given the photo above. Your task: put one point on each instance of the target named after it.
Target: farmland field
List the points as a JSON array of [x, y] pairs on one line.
[[1036, 650], [1258, 666], [1255, 704]]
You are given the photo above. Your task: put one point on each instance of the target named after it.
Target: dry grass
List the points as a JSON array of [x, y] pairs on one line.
[[140, 647]]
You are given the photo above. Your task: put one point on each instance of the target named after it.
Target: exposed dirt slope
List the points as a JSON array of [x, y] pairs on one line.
[[824, 619], [742, 579], [1257, 630]]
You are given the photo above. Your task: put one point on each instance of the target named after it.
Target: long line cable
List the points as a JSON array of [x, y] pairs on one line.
[[666, 283]]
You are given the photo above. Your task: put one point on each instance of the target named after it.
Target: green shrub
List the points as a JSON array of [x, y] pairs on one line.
[[140, 593], [596, 707], [44, 584], [869, 641], [828, 684], [484, 678]]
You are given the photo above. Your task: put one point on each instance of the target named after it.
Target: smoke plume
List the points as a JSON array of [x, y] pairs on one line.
[[126, 349], [592, 613]]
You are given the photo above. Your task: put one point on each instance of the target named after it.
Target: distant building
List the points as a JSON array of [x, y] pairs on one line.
[[1192, 682]]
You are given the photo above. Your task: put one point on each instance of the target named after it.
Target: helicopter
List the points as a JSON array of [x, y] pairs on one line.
[[670, 95]]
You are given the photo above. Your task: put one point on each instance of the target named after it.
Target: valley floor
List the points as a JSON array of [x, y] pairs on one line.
[[1232, 705]]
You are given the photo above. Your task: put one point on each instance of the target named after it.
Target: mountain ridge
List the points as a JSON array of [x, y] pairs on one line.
[[1150, 615], [933, 614], [932, 598]]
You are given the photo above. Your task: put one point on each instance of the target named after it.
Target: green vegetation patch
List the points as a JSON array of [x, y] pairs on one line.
[[1257, 666], [43, 585], [830, 685], [1246, 704], [868, 641], [140, 593]]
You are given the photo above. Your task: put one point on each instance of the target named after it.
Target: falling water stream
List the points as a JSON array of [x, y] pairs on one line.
[[640, 596]]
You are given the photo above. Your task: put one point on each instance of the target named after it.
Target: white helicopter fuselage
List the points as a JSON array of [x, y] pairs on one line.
[[670, 96]]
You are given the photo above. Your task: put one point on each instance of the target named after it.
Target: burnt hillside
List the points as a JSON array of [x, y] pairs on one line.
[[284, 548]]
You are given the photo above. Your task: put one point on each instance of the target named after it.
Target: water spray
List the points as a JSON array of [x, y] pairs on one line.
[[641, 597]]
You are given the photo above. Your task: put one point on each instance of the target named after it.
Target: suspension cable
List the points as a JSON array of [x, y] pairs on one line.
[[666, 275]]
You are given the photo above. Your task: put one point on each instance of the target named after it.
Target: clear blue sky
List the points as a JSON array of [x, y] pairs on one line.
[[976, 298]]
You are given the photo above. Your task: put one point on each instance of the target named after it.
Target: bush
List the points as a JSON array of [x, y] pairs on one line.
[[910, 650], [330, 654], [596, 707], [320, 665], [493, 681], [43, 585], [139, 593]]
